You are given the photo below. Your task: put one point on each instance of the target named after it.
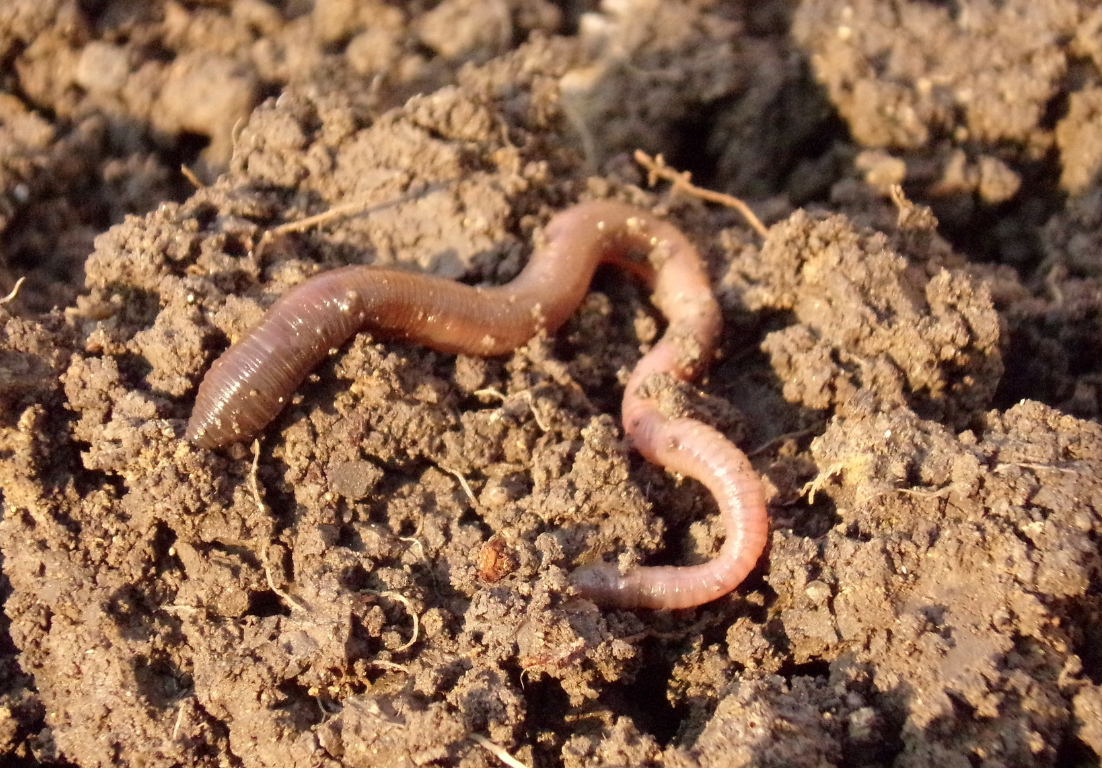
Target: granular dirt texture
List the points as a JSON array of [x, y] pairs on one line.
[[910, 356]]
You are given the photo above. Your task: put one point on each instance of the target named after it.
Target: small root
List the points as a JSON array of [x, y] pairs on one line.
[[192, 178], [463, 483], [798, 434], [180, 717], [254, 486], [361, 207], [409, 609], [497, 751], [682, 181], [14, 292], [815, 485], [526, 394]]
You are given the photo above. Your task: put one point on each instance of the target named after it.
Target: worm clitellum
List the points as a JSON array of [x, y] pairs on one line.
[[252, 381]]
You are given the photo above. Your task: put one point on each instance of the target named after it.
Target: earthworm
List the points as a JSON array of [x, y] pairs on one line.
[[252, 381]]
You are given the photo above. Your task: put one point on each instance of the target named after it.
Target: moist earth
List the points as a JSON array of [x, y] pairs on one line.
[[910, 357]]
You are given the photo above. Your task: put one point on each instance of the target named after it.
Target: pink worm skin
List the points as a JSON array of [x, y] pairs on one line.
[[253, 380]]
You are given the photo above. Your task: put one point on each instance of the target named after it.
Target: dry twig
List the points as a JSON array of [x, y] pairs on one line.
[[682, 181]]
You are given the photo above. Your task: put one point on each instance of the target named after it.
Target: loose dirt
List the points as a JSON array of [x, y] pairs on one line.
[[911, 356]]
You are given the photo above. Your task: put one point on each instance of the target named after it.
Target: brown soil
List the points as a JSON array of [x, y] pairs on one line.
[[917, 376]]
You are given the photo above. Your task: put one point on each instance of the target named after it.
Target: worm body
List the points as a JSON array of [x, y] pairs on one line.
[[253, 380]]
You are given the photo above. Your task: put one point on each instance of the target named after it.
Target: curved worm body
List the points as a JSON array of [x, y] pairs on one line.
[[253, 380]]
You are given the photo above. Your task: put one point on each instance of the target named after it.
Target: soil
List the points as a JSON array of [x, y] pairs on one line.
[[911, 357]]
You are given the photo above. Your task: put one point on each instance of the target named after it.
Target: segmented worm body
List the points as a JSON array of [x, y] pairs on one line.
[[249, 384]]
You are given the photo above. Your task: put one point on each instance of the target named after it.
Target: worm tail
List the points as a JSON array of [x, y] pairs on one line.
[[254, 379], [694, 449]]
